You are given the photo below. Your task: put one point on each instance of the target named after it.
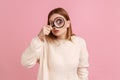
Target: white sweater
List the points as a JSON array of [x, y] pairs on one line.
[[63, 60]]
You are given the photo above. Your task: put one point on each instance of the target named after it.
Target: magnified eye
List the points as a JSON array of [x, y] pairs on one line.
[[59, 22]]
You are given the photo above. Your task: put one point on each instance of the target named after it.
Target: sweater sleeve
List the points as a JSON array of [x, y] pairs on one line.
[[32, 53], [83, 62]]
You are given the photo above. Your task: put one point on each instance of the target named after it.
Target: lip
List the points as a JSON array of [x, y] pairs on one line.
[[56, 31]]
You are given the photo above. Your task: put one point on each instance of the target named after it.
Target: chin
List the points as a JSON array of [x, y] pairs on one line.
[[57, 34]]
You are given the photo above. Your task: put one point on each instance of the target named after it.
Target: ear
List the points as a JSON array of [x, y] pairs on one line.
[[68, 23]]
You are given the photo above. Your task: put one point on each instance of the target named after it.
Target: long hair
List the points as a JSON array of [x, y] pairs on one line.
[[62, 12]]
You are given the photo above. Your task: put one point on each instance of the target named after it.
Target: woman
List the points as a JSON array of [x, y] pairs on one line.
[[61, 54]]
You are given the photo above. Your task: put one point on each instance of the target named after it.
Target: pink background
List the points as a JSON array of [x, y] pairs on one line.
[[98, 21]]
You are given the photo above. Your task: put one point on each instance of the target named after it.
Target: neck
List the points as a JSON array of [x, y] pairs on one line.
[[61, 37]]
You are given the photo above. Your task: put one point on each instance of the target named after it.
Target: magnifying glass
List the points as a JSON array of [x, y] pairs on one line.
[[58, 22]]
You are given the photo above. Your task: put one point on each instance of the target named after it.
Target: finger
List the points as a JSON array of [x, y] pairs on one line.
[[46, 29], [47, 33], [50, 27]]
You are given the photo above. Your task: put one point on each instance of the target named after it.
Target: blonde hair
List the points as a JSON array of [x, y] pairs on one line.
[[62, 12]]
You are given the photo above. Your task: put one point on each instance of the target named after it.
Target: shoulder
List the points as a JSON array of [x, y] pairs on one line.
[[78, 39]]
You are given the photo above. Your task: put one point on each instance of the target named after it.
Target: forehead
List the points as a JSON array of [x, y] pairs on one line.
[[54, 16]]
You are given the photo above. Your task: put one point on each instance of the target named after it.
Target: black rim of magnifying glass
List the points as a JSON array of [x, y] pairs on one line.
[[53, 24]]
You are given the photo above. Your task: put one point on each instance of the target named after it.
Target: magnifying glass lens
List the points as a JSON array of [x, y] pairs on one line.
[[59, 22]]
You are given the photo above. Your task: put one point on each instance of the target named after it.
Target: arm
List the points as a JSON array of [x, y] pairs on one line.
[[83, 63], [31, 55]]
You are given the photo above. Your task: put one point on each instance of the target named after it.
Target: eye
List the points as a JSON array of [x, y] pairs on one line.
[[59, 21]]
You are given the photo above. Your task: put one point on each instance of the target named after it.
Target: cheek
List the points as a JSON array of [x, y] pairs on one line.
[[63, 30]]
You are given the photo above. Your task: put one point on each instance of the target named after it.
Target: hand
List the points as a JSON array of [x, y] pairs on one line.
[[44, 31]]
